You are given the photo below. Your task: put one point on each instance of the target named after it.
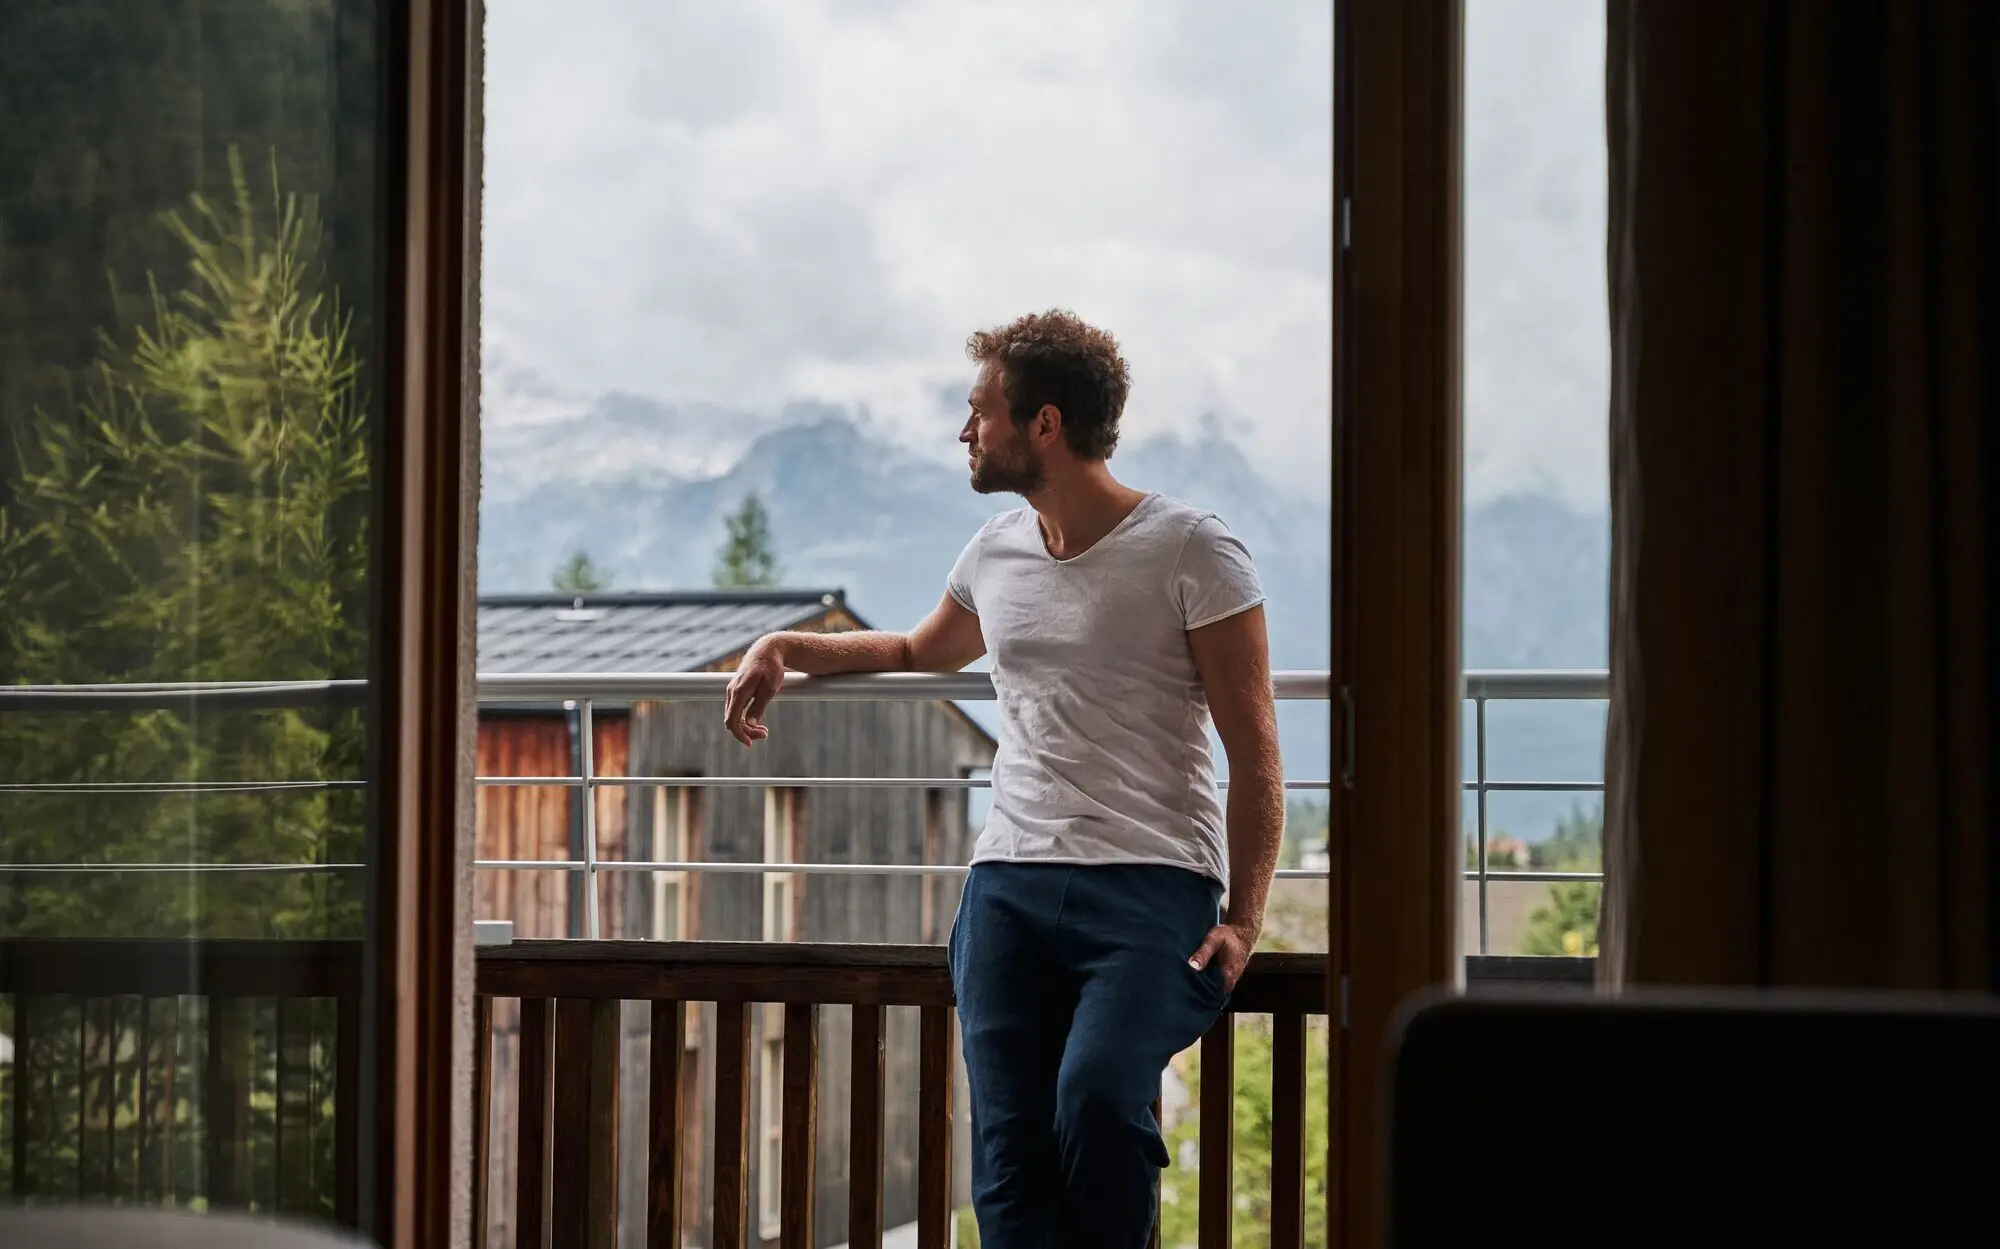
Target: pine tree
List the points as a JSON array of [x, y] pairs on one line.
[[200, 514], [579, 574], [749, 556]]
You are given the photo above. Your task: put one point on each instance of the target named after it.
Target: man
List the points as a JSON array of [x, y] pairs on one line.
[[1091, 944]]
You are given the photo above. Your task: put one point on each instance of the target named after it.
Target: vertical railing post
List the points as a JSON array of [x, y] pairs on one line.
[[663, 1203], [934, 1079], [482, 1118], [21, 1107], [866, 1129], [730, 1227], [800, 1140], [588, 731], [1288, 1130], [534, 1109], [1216, 1181], [1479, 775]]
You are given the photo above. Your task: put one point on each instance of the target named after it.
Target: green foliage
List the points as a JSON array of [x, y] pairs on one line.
[[749, 555], [1566, 924], [579, 574], [1180, 1186], [200, 514], [1576, 846]]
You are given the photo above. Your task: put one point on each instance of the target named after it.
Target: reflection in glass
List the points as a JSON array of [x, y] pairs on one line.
[[188, 388]]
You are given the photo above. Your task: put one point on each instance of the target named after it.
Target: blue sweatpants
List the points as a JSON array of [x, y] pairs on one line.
[[1073, 991]]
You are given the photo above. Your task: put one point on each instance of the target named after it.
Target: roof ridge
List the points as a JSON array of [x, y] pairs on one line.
[[828, 597]]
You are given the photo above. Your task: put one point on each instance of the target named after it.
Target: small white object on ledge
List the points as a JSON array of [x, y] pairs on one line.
[[492, 932]]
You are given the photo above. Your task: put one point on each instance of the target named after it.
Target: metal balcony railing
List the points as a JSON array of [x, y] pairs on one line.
[[584, 692]]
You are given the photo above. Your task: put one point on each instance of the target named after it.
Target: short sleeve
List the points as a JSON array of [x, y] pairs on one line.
[[1214, 579], [964, 572]]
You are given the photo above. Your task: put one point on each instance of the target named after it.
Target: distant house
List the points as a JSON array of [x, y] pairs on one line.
[[708, 631]]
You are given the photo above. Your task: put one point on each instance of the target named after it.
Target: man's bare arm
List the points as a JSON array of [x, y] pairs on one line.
[[1233, 658], [946, 641]]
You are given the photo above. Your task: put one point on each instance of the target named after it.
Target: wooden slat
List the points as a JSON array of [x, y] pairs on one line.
[[1218, 1135], [168, 1189], [142, 1125], [663, 1212], [732, 1125], [1288, 1132], [602, 1143], [934, 1130], [801, 1126], [583, 1181], [278, 1109], [347, 1103], [25, 1058], [1160, 1122], [866, 1130], [82, 1098], [531, 1182], [113, 1041], [295, 1109], [482, 1119], [223, 1074]]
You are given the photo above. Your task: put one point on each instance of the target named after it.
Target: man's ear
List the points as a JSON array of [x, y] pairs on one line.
[[1048, 424]]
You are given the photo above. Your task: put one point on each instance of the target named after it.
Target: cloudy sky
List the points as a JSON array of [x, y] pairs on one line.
[[748, 202]]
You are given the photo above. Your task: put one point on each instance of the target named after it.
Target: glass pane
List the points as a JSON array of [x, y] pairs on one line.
[[190, 397], [1537, 352]]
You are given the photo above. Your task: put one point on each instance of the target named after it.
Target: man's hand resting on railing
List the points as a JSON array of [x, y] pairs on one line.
[[946, 641], [758, 678]]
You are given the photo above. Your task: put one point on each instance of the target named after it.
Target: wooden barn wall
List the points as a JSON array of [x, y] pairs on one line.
[[533, 822]]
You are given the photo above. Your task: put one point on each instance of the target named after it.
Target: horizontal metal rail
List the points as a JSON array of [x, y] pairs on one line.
[[675, 782], [1582, 684], [178, 695], [173, 787], [583, 690], [528, 687], [1538, 684], [791, 782], [114, 869], [692, 865]]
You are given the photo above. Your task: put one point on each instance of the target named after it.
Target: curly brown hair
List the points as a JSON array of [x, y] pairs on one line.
[[1057, 358]]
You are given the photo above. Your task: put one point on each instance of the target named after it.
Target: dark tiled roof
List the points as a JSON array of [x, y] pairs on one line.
[[639, 632]]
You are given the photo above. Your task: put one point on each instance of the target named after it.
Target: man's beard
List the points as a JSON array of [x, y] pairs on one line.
[[991, 475]]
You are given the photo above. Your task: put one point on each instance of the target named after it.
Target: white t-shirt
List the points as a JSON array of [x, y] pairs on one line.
[[1104, 753]]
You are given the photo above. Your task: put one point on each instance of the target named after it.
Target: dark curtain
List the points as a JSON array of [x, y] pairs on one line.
[[1805, 318]]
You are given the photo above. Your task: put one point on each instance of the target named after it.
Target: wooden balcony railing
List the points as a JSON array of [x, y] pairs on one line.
[[570, 993], [204, 1074], [224, 1074]]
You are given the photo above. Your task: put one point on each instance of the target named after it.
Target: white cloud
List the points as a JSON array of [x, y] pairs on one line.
[[1537, 352], [753, 202]]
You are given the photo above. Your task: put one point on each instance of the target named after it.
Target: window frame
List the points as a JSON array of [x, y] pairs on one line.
[[677, 813]]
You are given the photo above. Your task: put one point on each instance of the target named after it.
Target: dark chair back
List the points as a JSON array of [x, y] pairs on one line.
[[1703, 1119]]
